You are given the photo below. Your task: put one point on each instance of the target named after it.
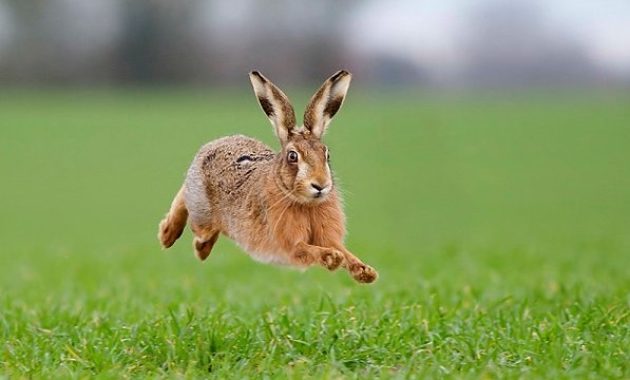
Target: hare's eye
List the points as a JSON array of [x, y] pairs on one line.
[[292, 156], [327, 155]]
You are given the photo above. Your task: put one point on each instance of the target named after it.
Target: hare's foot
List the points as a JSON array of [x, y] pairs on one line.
[[306, 254], [172, 226], [358, 270], [169, 231], [363, 273], [331, 259], [204, 240]]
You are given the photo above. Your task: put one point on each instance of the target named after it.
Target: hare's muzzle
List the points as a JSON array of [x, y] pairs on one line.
[[319, 191]]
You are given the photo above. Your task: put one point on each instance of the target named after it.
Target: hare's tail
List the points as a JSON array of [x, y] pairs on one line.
[[172, 226]]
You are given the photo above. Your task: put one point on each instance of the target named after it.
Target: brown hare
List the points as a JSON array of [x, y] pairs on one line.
[[281, 208]]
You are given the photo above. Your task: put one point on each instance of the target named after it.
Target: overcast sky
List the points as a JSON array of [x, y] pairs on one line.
[[429, 30]]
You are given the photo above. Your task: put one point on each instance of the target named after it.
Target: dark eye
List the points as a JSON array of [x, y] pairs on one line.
[[327, 155], [292, 156]]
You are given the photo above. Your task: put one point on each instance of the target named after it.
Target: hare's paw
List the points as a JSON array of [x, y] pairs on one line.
[[363, 273], [331, 259], [203, 244], [202, 248], [168, 233]]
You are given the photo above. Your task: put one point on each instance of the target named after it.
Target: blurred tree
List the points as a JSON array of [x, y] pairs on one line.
[[287, 39], [212, 41], [61, 41], [156, 43]]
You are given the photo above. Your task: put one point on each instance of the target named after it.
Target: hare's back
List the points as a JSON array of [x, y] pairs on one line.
[[232, 152], [223, 169]]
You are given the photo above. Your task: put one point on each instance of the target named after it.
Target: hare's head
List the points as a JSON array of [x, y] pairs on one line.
[[302, 168]]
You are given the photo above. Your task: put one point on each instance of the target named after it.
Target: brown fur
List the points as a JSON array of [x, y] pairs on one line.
[[277, 210]]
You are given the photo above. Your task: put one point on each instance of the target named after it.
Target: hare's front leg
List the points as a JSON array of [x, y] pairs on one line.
[[204, 240], [306, 254], [360, 271]]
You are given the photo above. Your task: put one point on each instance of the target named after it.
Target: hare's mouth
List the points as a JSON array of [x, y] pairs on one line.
[[318, 195], [311, 194], [312, 197]]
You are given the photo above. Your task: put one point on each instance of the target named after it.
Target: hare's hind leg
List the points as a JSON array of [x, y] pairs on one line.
[[204, 240], [172, 226]]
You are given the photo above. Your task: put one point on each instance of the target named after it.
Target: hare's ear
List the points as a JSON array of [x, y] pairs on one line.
[[326, 102], [275, 104]]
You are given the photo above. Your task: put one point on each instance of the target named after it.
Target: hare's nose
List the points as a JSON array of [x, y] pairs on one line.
[[316, 186]]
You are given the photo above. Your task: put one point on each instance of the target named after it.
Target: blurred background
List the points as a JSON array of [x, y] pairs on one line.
[[503, 125], [402, 43]]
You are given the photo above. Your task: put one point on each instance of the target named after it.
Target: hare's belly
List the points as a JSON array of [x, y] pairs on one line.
[[269, 258], [264, 252], [262, 242]]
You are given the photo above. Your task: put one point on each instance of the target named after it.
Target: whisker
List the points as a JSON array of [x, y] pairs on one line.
[[284, 197], [280, 217]]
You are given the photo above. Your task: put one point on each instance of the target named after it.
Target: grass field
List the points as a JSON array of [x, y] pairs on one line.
[[500, 227]]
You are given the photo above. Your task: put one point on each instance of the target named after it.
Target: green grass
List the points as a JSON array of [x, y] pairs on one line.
[[500, 227]]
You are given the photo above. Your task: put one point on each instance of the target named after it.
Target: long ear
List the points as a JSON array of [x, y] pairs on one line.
[[326, 102], [275, 104]]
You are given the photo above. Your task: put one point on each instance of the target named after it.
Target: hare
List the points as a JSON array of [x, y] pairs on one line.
[[281, 208]]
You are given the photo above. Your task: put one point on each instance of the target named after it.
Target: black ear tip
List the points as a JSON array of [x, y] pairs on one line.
[[339, 74], [257, 74]]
